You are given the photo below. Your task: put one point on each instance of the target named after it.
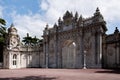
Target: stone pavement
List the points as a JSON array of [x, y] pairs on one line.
[[59, 74]]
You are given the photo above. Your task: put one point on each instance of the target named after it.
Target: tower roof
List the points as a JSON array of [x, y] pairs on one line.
[[12, 28], [67, 15]]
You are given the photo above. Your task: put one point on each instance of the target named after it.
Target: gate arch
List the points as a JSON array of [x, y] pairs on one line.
[[68, 54]]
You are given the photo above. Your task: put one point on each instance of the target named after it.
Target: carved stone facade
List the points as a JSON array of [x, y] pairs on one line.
[[75, 42], [111, 48]]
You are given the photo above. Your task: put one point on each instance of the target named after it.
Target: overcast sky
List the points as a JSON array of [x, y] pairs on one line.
[[31, 16]]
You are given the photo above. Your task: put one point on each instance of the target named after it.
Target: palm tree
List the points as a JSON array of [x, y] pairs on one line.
[[2, 37], [2, 31], [28, 40], [2, 34], [35, 40]]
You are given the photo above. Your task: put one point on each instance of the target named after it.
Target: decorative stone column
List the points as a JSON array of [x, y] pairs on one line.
[[10, 60], [99, 52], [47, 55]]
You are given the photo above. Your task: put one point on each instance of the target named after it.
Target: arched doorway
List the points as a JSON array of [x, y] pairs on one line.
[[68, 54], [14, 60]]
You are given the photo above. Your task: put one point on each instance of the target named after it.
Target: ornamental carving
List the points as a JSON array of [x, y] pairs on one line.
[[87, 44], [111, 50]]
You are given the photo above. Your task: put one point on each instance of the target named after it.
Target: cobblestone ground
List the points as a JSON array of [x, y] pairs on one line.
[[59, 74]]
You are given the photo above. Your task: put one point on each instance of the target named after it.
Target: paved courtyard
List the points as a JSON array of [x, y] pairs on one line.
[[59, 74]]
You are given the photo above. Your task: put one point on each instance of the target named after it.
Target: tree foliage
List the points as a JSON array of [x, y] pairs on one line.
[[2, 34], [2, 22], [2, 37], [28, 40], [3, 31]]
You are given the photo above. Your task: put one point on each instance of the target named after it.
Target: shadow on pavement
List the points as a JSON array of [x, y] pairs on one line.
[[112, 71], [30, 78]]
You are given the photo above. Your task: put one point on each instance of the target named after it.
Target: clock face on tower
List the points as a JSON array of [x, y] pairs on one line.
[[14, 41]]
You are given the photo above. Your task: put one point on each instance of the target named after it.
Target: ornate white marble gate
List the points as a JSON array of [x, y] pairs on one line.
[[75, 42]]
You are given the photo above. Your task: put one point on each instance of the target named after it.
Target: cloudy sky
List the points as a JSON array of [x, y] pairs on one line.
[[31, 16]]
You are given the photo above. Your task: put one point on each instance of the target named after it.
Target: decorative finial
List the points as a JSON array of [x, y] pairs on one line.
[[27, 34], [76, 15], [116, 30], [12, 28], [97, 10], [71, 14], [55, 25], [46, 26], [59, 20], [12, 25], [67, 15], [80, 18]]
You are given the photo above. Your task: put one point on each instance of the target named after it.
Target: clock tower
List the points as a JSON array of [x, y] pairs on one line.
[[12, 51], [13, 38]]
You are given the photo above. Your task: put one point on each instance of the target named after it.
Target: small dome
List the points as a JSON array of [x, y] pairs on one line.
[[12, 28]]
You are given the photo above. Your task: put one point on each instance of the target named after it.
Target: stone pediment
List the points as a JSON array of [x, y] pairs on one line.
[[15, 49]]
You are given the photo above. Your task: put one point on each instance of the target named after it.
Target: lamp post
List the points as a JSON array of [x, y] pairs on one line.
[[84, 65]]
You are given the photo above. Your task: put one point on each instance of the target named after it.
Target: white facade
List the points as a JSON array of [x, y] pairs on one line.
[[21, 56]]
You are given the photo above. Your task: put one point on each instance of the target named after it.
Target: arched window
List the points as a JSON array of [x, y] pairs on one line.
[[14, 59], [14, 56]]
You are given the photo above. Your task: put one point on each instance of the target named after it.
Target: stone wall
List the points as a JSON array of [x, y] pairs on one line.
[[111, 47]]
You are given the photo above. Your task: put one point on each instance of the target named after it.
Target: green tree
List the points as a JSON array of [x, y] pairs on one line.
[[2, 22], [2, 37], [35, 40], [28, 40]]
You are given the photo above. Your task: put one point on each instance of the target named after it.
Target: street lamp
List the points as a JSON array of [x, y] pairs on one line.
[[84, 65]]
